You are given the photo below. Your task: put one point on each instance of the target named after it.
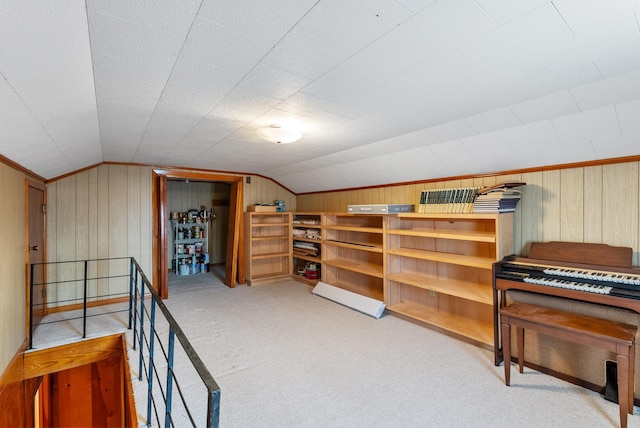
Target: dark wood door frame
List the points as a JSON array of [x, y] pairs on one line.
[[35, 245], [160, 234]]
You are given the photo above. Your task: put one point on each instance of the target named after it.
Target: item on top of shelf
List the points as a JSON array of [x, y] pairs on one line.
[[380, 208], [448, 201]]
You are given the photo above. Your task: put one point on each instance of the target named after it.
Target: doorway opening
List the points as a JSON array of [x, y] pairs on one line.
[[198, 213], [180, 193]]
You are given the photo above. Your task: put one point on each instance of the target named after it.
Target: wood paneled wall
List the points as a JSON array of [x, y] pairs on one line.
[[587, 204], [262, 190], [103, 212], [13, 270]]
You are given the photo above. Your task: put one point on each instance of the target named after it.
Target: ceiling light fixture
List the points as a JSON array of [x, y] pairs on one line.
[[278, 134]]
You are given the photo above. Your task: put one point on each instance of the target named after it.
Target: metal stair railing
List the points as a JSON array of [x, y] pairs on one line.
[[156, 357], [146, 341]]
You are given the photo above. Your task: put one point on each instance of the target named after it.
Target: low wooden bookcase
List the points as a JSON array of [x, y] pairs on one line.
[[267, 247], [439, 269], [353, 253]]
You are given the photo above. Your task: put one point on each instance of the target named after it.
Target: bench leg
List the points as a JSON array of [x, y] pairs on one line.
[[623, 388], [520, 333], [506, 351], [632, 374]]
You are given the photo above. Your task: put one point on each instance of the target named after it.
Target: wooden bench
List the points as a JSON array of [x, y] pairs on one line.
[[610, 335]]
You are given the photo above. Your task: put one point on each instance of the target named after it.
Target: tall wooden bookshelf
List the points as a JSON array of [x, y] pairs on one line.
[[267, 247], [307, 235], [353, 253], [439, 269]]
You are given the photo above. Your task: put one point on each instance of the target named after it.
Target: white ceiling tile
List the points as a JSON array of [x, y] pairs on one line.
[[121, 133], [273, 82], [506, 10], [25, 143], [40, 38], [493, 120], [54, 107], [440, 27], [379, 61], [536, 135], [130, 73], [589, 46], [561, 80], [134, 95], [172, 17], [50, 86], [5, 87], [415, 6], [121, 38], [619, 61], [266, 21], [353, 24], [568, 153], [128, 123], [545, 107], [125, 111], [451, 151], [629, 118], [18, 125], [181, 112], [170, 124], [487, 144], [211, 81], [624, 87], [305, 55], [590, 124], [584, 15], [452, 131], [223, 47], [626, 145], [519, 160], [337, 86], [61, 127], [12, 106]]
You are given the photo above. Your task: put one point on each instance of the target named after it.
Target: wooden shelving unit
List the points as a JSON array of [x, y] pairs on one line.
[[306, 234], [353, 253], [439, 269], [268, 247]]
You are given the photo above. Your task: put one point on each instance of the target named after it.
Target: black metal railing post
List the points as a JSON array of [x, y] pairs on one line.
[[167, 417], [141, 335], [135, 310], [151, 346], [130, 293], [213, 408], [31, 269], [84, 301]]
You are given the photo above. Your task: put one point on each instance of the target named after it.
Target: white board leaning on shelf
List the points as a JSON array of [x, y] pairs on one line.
[[360, 303]]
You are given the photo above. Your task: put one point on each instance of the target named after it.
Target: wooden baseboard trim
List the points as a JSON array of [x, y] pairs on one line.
[[94, 304]]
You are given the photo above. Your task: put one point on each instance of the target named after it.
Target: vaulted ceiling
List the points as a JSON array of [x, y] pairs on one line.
[[383, 90]]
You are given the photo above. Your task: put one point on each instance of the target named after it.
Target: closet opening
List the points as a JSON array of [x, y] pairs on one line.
[[197, 226]]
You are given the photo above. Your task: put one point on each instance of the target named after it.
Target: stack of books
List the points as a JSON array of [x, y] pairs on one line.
[[501, 198], [447, 201]]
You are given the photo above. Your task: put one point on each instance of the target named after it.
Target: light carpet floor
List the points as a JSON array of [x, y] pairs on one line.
[[284, 357]]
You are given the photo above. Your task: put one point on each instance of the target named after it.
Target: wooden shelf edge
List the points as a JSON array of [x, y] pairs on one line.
[[358, 267], [440, 234], [354, 246], [465, 327], [435, 256], [480, 293], [270, 255]]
